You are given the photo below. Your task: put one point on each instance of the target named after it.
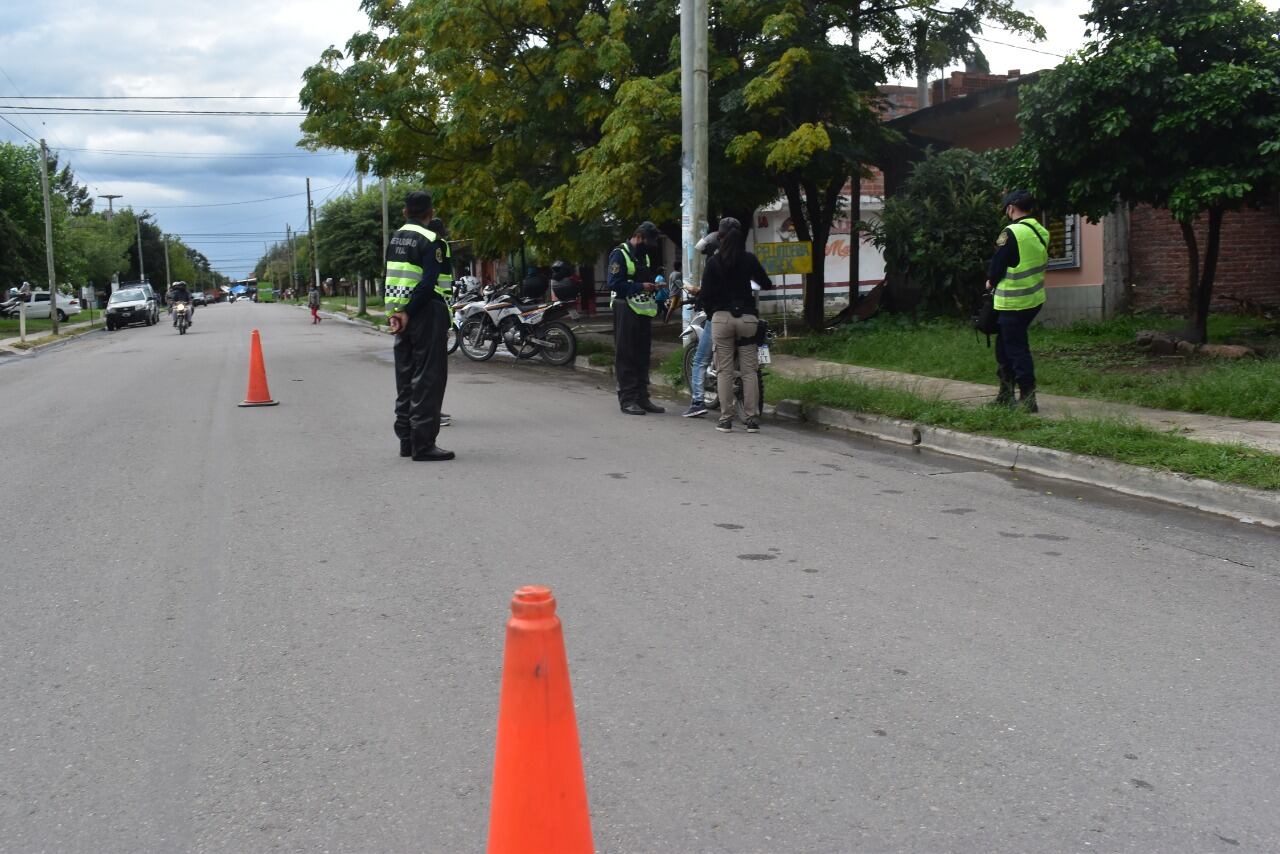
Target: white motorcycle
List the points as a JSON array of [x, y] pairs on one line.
[[526, 328]]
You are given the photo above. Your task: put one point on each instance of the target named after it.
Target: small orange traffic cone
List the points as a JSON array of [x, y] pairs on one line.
[[539, 792], [258, 393]]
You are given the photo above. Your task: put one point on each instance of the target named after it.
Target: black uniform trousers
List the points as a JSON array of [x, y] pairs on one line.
[[1013, 348], [422, 369], [632, 341]]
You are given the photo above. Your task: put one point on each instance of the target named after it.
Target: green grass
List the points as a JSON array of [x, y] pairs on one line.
[[9, 325], [672, 368], [1110, 439], [348, 303], [1096, 360], [46, 339], [590, 348]]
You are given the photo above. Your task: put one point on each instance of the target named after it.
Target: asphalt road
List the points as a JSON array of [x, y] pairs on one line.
[[244, 630]]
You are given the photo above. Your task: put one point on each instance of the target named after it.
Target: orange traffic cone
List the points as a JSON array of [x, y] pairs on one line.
[[539, 792], [258, 393]]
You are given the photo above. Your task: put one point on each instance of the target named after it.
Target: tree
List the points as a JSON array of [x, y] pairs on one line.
[[558, 120], [21, 213], [1174, 104], [939, 229], [349, 234]]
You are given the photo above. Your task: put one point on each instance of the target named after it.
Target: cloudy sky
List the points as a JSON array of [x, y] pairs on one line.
[[205, 177]]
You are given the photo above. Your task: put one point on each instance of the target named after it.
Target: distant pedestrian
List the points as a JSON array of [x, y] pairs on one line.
[[1016, 274], [313, 303], [730, 302]]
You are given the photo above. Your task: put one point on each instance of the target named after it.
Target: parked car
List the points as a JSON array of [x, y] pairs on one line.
[[199, 298], [38, 305], [128, 306]]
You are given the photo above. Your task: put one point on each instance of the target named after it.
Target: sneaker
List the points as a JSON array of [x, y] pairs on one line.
[[695, 409], [725, 424], [753, 426], [445, 420]]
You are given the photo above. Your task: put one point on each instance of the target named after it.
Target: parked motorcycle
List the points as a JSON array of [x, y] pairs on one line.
[[527, 329], [710, 393], [181, 316], [468, 293]]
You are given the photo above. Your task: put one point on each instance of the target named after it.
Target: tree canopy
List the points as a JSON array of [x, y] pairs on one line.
[[1173, 103], [558, 121]]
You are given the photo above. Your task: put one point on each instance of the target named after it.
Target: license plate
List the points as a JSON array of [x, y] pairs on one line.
[[763, 355]]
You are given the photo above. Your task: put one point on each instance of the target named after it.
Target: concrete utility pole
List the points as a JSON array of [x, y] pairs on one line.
[[693, 127], [361, 302], [168, 277], [142, 273], [110, 197], [48, 236], [293, 260], [386, 229], [311, 234]]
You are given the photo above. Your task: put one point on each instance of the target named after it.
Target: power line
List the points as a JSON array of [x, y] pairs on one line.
[[18, 129], [159, 97], [197, 155], [1019, 47], [41, 110], [226, 204]]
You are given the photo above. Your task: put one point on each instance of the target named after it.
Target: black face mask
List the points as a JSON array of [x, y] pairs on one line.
[[651, 249]]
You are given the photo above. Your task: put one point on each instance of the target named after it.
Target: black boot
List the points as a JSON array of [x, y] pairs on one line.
[[406, 448], [432, 454], [1027, 400], [1004, 397]]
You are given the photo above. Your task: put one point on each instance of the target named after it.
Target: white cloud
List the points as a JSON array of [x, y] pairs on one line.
[[196, 47]]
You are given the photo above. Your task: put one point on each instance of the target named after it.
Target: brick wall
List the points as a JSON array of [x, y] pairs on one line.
[[963, 83], [1248, 267]]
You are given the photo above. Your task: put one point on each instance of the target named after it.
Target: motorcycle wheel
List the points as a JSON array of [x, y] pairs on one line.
[[452, 338], [476, 344], [565, 344], [527, 351]]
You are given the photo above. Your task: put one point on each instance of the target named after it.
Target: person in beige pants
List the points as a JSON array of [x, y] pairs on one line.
[[730, 302], [726, 333]]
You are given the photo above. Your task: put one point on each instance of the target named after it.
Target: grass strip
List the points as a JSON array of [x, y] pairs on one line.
[[48, 339], [1087, 359], [1110, 439]]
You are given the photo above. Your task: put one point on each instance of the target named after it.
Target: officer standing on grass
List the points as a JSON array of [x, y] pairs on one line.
[[631, 299], [1016, 274], [419, 318]]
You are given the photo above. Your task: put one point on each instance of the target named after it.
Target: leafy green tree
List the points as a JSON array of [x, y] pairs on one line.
[[349, 234], [96, 249], [1174, 104], [938, 231], [557, 121], [21, 215]]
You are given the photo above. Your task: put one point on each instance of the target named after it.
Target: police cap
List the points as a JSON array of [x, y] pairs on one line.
[[418, 203], [648, 231], [1020, 199]]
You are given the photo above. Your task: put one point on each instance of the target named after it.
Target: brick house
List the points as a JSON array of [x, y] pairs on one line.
[[1132, 259]]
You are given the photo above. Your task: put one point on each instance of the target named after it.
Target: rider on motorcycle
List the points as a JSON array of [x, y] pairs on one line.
[[178, 293]]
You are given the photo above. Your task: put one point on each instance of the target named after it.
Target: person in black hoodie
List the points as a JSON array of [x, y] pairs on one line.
[[730, 302]]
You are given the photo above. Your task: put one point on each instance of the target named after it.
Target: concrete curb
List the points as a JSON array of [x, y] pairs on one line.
[[1253, 506], [31, 351]]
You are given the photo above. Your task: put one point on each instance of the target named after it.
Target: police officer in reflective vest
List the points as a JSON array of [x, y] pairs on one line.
[[1016, 274], [419, 318], [631, 299]]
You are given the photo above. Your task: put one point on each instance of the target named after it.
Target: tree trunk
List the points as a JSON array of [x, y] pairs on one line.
[[1204, 294], [812, 299], [1193, 274]]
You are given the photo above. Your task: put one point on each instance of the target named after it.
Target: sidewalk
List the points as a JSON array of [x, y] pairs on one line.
[[1263, 435], [45, 333]]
